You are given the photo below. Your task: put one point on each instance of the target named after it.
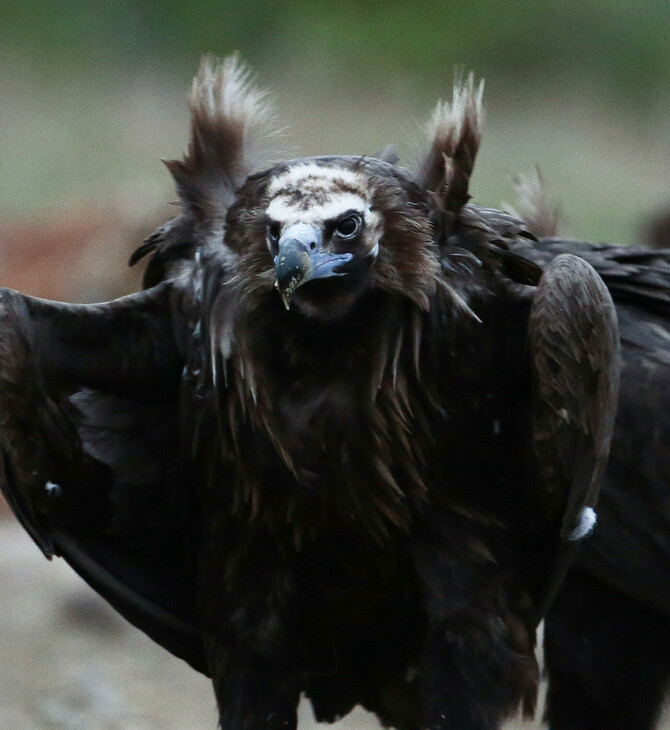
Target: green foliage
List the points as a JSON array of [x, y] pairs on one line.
[[621, 45], [90, 103]]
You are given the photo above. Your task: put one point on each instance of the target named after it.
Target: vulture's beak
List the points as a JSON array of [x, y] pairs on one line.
[[301, 258]]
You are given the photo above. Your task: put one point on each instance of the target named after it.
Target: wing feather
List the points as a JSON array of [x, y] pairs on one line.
[[630, 549], [89, 438], [574, 345]]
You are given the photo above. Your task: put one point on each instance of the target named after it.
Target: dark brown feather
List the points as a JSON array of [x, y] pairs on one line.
[[231, 124], [454, 136], [573, 337]]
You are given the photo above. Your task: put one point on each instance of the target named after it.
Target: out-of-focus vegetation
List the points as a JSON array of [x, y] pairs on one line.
[[92, 93], [622, 45]]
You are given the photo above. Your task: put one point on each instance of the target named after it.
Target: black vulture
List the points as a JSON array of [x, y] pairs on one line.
[[345, 443]]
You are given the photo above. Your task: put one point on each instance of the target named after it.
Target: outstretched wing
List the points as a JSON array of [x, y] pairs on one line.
[[90, 418], [88, 451], [574, 350]]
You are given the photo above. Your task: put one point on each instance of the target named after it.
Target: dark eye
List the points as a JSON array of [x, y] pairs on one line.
[[274, 231], [349, 226]]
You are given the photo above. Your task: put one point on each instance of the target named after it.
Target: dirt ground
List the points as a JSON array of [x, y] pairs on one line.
[[68, 662]]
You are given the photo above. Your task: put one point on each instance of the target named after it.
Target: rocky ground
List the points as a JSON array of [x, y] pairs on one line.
[[68, 662]]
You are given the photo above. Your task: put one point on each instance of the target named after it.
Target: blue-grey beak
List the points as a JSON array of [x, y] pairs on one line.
[[301, 258]]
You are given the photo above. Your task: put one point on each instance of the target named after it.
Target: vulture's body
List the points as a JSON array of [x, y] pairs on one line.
[[345, 443]]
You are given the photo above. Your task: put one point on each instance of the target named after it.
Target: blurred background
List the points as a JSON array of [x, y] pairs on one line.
[[93, 94]]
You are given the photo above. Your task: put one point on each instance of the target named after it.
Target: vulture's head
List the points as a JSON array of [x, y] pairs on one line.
[[318, 234], [324, 231]]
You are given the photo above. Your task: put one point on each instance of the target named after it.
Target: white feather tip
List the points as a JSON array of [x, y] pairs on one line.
[[585, 524]]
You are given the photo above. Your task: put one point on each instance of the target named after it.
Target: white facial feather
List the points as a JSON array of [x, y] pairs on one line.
[[300, 172], [286, 212], [333, 191]]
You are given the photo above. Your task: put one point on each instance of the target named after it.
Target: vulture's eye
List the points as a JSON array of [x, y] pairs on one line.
[[348, 227], [273, 232]]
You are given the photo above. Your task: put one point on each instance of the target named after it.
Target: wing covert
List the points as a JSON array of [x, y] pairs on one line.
[[89, 444], [574, 349]]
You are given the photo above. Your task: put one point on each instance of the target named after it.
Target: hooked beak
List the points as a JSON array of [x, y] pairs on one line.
[[301, 258]]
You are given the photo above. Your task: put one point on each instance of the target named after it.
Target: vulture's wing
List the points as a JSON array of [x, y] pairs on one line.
[[90, 427], [88, 445], [630, 550], [574, 350], [634, 275]]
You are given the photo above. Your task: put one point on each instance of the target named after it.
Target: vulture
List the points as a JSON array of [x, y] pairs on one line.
[[347, 440]]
